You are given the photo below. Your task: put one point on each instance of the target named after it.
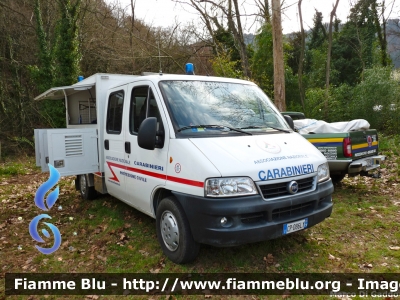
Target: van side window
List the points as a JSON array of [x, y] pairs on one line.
[[114, 113], [143, 105]]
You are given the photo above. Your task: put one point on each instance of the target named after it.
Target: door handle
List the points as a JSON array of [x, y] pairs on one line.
[[128, 147], [106, 144]]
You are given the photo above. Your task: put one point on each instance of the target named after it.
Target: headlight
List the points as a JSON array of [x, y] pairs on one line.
[[229, 187], [323, 172]]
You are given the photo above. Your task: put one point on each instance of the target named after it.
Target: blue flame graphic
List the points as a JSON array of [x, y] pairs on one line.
[[45, 187], [35, 235], [39, 201]]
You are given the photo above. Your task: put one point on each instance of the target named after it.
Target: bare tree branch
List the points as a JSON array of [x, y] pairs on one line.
[[301, 60], [328, 59]]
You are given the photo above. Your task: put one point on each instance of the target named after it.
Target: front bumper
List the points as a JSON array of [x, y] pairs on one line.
[[251, 218]]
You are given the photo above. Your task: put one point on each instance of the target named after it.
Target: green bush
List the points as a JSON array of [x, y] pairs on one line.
[[340, 103], [376, 99], [12, 168], [315, 101], [337, 107]]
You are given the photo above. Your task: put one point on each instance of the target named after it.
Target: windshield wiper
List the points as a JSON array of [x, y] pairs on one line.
[[258, 127], [213, 126]]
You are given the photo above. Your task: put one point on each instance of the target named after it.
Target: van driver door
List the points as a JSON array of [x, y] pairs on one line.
[[146, 169]]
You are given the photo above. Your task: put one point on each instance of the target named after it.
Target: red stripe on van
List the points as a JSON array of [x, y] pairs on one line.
[[110, 164], [186, 181], [153, 174]]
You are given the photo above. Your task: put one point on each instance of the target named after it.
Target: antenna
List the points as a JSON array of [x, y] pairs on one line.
[[159, 56]]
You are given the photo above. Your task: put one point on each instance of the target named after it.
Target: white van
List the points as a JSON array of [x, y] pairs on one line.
[[210, 158]]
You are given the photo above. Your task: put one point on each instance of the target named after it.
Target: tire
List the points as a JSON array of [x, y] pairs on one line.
[[173, 232], [337, 178], [87, 192]]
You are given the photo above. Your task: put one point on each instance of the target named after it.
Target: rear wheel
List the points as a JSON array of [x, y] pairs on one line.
[[87, 192], [173, 232]]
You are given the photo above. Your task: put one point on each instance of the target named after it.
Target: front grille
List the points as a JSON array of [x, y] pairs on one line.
[[275, 190], [293, 210], [252, 218]]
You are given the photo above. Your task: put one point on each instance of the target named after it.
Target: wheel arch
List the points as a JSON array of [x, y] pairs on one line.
[[90, 179], [158, 195]]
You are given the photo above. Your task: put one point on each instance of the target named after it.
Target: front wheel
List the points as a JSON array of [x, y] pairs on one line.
[[173, 232], [87, 192]]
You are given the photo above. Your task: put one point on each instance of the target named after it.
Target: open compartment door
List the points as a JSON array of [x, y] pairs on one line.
[[70, 151], [41, 149]]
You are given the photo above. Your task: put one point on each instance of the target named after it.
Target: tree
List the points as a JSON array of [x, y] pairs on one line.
[[59, 55], [346, 56], [18, 115], [213, 14], [354, 49], [301, 58], [238, 33], [318, 32], [44, 75], [363, 16], [263, 6], [381, 32], [328, 58], [279, 70], [263, 61], [44, 43], [67, 52]]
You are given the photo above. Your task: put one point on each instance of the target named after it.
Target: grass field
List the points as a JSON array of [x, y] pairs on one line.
[[105, 235]]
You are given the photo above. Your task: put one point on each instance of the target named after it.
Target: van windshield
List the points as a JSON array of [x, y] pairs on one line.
[[205, 106]]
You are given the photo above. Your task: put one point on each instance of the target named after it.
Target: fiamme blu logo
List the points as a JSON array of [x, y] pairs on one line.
[[40, 202]]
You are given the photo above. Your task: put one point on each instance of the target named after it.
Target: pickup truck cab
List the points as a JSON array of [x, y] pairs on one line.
[[211, 159]]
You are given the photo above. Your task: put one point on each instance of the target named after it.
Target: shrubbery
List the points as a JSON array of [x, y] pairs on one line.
[[376, 99]]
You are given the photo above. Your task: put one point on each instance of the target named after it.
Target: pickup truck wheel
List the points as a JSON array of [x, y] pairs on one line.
[[173, 232], [87, 192], [337, 178]]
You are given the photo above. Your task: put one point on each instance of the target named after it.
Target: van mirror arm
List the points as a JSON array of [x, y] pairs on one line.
[[160, 139]]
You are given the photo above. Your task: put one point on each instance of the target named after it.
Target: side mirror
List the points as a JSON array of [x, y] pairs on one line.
[[147, 134], [289, 120]]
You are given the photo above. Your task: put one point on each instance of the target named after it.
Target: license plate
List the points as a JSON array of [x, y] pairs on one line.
[[295, 226]]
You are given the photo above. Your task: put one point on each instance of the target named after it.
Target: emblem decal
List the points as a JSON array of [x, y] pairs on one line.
[[270, 147], [178, 168], [293, 187], [369, 141]]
